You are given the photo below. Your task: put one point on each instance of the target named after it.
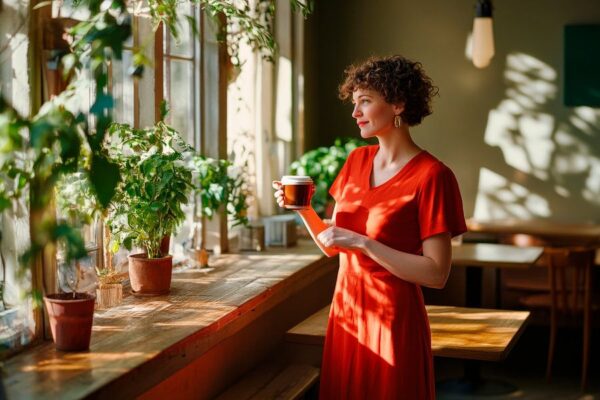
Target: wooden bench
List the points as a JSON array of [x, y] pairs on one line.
[[272, 381], [456, 332]]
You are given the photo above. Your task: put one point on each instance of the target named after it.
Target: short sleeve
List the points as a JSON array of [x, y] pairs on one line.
[[440, 204], [341, 179]]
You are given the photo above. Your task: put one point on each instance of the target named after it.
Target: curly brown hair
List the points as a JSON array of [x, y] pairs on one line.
[[398, 80]]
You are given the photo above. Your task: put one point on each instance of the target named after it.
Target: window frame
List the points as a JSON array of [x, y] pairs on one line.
[[210, 122]]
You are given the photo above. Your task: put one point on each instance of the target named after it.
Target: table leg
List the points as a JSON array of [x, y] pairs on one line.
[[498, 288], [473, 279]]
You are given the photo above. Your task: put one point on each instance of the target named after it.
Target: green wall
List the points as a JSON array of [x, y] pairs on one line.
[[516, 150]]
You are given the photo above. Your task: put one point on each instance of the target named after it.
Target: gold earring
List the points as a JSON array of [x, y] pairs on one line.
[[397, 121]]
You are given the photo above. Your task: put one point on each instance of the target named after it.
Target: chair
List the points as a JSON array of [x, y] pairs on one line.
[[569, 297]]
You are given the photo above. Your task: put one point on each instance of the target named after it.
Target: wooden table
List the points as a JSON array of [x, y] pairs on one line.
[[470, 334], [571, 236], [456, 332], [552, 232], [494, 255], [475, 256]]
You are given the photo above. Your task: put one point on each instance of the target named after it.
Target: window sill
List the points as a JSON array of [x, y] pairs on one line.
[[144, 341]]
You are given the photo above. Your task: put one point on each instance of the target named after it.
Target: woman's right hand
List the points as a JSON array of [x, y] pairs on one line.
[[278, 193]]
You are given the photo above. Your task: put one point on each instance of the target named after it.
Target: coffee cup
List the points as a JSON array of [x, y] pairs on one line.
[[297, 191]]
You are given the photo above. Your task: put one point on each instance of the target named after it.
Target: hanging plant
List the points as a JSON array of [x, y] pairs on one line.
[[253, 25]]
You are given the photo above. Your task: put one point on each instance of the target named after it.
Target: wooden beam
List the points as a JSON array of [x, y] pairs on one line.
[[159, 66], [222, 140]]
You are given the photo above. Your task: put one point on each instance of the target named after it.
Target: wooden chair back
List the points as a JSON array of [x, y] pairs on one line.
[[569, 273]]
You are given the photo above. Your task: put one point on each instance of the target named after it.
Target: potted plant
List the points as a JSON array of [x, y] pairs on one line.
[[38, 149], [217, 185], [77, 203], [71, 312], [323, 164], [32, 168], [147, 207]]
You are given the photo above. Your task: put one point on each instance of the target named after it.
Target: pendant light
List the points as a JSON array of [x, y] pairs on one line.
[[483, 34]]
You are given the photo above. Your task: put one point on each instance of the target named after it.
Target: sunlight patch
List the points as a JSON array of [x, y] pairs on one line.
[[499, 198]]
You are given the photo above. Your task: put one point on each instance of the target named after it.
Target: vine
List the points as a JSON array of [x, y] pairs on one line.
[[36, 151]]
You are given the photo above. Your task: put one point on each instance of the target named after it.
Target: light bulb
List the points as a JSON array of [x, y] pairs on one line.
[[483, 34]]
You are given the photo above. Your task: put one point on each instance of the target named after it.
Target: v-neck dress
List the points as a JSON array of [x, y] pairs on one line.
[[378, 343]]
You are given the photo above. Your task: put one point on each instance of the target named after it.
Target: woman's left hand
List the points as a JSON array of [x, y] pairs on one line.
[[342, 238]]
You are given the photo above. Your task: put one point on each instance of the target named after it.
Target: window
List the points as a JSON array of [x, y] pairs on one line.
[[124, 86], [180, 75], [16, 323], [265, 109], [192, 75]]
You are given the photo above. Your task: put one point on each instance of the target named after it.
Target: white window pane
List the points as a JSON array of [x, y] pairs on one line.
[[122, 89], [16, 322], [184, 47], [179, 92]]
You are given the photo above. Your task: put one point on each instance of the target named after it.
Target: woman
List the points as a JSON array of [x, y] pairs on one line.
[[396, 209]]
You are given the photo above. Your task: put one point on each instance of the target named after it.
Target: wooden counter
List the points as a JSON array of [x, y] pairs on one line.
[[147, 341]]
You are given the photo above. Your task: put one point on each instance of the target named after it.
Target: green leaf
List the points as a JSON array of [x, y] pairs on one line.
[[70, 145], [164, 109], [150, 189], [104, 176], [4, 203], [181, 198], [21, 182], [103, 102], [128, 242]]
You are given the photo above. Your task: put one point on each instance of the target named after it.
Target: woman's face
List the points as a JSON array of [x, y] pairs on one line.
[[374, 116]]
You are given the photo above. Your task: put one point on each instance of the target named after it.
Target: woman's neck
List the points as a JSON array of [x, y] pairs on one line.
[[396, 146]]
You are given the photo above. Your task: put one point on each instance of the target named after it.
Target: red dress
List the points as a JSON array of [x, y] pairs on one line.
[[378, 343]]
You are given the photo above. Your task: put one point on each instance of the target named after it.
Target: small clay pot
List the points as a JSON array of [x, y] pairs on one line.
[[150, 276], [71, 320], [109, 295]]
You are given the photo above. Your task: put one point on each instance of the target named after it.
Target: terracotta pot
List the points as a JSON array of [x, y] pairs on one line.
[[109, 295], [165, 244], [150, 276], [71, 320]]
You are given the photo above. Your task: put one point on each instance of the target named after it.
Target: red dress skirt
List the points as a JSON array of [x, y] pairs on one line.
[[378, 343]]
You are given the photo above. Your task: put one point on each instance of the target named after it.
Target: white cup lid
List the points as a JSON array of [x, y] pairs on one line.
[[295, 179]]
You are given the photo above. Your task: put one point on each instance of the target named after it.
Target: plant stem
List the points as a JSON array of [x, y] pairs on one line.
[[106, 253], [77, 272], [3, 284]]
